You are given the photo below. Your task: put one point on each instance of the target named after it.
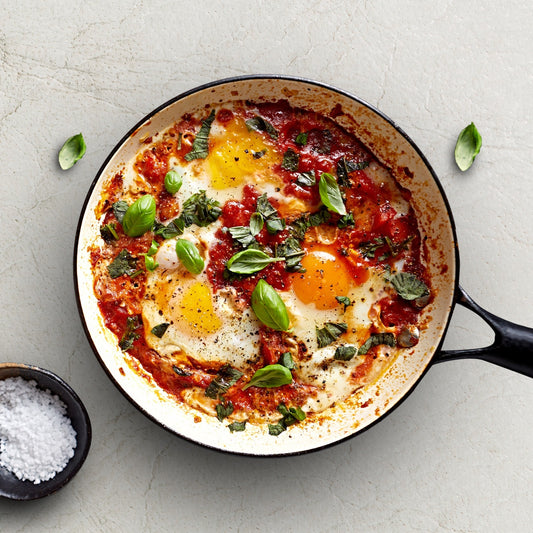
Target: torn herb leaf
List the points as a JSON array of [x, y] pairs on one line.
[[275, 224], [301, 139], [343, 300], [291, 415], [344, 167], [200, 210], [258, 123], [408, 286], [119, 210], [375, 340], [200, 146], [345, 352], [256, 223], [150, 263], [306, 179], [330, 332], [173, 229], [160, 329], [264, 207], [124, 263], [109, 232], [287, 361], [292, 252], [129, 336], [242, 234], [226, 377], [224, 410], [237, 426], [345, 221], [290, 161]]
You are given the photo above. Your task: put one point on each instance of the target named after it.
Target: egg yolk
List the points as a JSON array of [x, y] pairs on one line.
[[325, 277], [196, 309], [237, 154]]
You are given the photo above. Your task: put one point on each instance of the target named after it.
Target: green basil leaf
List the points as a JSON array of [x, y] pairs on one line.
[[300, 226], [200, 210], [220, 384], [150, 263], [301, 139], [109, 232], [276, 429], [287, 361], [173, 181], [173, 229], [320, 217], [330, 333], [72, 151], [160, 329], [129, 336], [408, 286], [153, 248], [124, 263], [270, 376], [269, 307], [264, 207], [200, 146], [256, 223], [273, 225], [140, 217], [224, 410], [189, 256], [325, 142], [292, 252], [243, 235], [467, 147], [330, 194], [119, 209], [306, 179], [375, 340], [237, 426], [345, 352], [344, 167], [344, 300], [258, 123], [291, 415], [345, 221], [297, 413], [290, 161], [249, 261]]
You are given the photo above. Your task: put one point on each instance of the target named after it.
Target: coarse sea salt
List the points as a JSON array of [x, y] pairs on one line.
[[37, 439]]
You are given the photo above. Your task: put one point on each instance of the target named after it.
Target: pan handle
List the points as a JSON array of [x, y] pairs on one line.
[[512, 347]]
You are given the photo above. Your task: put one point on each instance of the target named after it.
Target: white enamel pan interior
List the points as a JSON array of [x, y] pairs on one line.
[[412, 171]]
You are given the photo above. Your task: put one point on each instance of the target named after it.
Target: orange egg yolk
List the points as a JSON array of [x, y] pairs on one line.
[[326, 276]]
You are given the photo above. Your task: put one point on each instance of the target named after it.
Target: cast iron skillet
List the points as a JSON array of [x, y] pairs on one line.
[[513, 344]]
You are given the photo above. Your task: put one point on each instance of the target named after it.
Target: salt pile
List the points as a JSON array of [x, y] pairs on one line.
[[37, 439]]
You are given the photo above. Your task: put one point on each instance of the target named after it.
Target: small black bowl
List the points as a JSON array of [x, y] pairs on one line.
[[13, 488]]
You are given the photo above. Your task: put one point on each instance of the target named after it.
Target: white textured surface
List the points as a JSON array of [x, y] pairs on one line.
[[457, 454]]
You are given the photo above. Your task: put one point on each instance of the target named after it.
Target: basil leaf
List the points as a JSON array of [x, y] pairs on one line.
[[160, 329], [290, 415], [467, 147], [256, 223], [330, 194], [258, 123], [306, 179], [173, 229], [375, 340], [408, 286], [225, 378], [124, 263], [276, 429], [264, 207], [153, 248], [119, 209], [189, 256], [129, 336], [344, 167], [330, 333], [173, 181], [269, 307], [292, 252], [109, 232], [237, 426], [315, 219], [300, 226], [270, 376], [249, 261], [150, 263], [344, 300], [273, 225], [287, 361], [290, 160], [140, 217], [301, 139], [72, 151], [200, 147], [200, 210], [345, 352], [345, 221], [224, 410], [243, 235], [326, 139]]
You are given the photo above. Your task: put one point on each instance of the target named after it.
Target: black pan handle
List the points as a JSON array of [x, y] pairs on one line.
[[512, 347]]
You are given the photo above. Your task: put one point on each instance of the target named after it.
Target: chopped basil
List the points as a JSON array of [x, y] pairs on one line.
[[224, 410], [344, 167], [160, 329], [467, 147], [200, 146], [344, 300], [270, 376], [300, 226], [109, 232], [173, 181], [243, 235], [150, 263], [345, 221], [275, 224], [276, 429], [124, 263], [200, 210], [345, 352], [72, 151], [173, 229], [119, 210], [249, 261], [330, 332], [225, 378], [368, 249], [375, 340], [237, 426], [140, 217], [315, 219], [330, 194], [129, 336], [292, 252], [269, 214], [287, 361], [269, 307], [408, 286], [258, 123], [256, 223], [301, 139], [290, 160], [306, 179], [153, 248], [291, 415], [189, 256]]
